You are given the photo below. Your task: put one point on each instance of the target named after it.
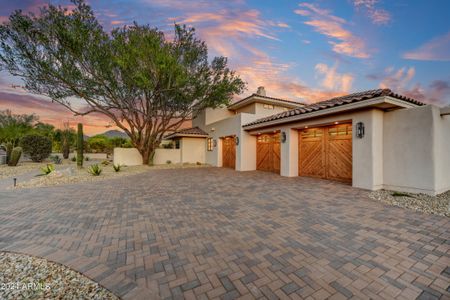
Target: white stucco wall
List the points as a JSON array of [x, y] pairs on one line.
[[163, 155], [127, 157], [443, 152], [416, 150], [193, 150], [132, 157]]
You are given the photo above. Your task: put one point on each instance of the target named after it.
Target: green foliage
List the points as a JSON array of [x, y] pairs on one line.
[[47, 169], [80, 144], [15, 156], [117, 168], [87, 158], [130, 74], [100, 144], [13, 127], [56, 159], [74, 158], [37, 147], [95, 170], [400, 194]]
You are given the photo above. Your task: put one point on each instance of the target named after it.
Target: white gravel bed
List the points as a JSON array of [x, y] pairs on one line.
[[28, 277], [25, 167], [72, 174], [439, 205]]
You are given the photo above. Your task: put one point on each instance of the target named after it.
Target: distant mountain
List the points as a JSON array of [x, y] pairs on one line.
[[115, 133]]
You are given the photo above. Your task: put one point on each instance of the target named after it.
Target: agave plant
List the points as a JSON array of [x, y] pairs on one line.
[[117, 168], [95, 170], [47, 169]]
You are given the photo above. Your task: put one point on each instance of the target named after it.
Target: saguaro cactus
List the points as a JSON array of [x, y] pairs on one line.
[[80, 141]]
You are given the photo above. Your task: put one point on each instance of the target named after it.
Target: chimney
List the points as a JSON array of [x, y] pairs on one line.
[[261, 91]]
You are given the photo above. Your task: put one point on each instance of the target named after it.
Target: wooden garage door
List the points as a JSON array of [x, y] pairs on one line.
[[268, 152], [228, 152], [326, 152]]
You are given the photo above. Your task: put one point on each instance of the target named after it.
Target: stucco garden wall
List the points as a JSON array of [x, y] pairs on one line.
[[417, 150], [127, 157], [163, 155]]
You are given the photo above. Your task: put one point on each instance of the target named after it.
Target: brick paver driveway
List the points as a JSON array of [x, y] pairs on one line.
[[213, 232]]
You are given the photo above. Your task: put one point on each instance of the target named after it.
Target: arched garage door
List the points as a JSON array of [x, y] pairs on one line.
[[326, 152], [268, 152]]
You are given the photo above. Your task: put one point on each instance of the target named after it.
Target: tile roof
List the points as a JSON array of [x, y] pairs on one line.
[[266, 97], [194, 131], [338, 101]]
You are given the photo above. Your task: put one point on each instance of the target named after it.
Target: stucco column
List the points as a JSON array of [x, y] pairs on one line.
[[289, 153], [368, 151], [246, 152]]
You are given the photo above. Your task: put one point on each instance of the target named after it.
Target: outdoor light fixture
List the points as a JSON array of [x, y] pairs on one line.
[[283, 137], [360, 130], [236, 140], [336, 123], [306, 126]]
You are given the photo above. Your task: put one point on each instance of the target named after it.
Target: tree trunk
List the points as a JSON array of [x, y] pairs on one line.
[[147, 152]]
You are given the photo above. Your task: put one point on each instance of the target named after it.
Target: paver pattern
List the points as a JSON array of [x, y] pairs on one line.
[[217, 233]]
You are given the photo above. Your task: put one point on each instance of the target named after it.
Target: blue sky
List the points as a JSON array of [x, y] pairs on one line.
[[306, 51]]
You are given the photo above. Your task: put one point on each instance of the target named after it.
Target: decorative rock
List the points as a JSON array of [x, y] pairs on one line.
[[27, 277], [438, 205]]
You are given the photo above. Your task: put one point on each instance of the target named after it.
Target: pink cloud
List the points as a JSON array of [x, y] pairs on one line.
[[377, 15], [343, 41], [436, 49], [333, 80]]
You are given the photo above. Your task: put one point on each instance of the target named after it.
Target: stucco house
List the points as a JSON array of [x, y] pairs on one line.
[[372, 140]]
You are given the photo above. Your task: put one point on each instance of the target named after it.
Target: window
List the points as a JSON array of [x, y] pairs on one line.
[[268, 106], [177, 144], [210, 144]]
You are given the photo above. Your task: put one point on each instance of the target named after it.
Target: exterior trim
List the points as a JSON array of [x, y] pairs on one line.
[[265, 99]]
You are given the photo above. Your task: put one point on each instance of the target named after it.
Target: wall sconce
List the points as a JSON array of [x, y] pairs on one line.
[[236, 140], [360, 130], [214, 143], [283, 137]]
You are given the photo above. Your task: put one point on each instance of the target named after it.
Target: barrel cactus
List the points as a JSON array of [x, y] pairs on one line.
[[16, 153]]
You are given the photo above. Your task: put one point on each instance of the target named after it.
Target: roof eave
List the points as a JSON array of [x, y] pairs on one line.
[[333, 110], [254, 97], [170, 137]]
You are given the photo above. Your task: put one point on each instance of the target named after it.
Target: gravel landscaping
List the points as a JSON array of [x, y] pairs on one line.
[[439, 205], [25, 167], [28, 277], [69, 173]]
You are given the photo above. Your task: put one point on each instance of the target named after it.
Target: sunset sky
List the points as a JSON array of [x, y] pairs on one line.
[[305, 51]]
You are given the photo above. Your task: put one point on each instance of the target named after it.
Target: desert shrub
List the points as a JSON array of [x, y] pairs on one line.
[[168, 162], [199, 163], [117, 168], [47, 169], [8, 147], [105, 162], [74, 158], [16, 153], [37, 147], [56, 159], [95, 170], [100, 144], [86, 158]]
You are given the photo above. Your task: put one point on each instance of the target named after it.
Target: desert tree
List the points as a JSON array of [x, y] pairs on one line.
[[147, 82]]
